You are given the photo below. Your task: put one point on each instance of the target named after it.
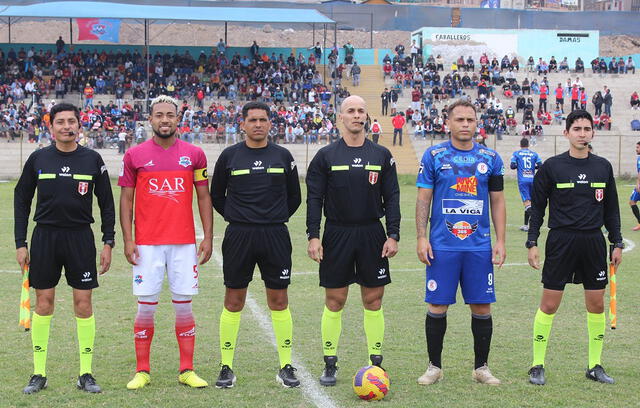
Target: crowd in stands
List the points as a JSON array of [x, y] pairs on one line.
[[301, 97], [505, 104]]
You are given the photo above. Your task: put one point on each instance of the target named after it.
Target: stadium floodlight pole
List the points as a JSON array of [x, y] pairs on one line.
[[146, 50]]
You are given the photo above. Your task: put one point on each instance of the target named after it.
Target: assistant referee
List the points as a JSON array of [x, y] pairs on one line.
[[255, 187], [355, 181], [66, 176], [581, 191]]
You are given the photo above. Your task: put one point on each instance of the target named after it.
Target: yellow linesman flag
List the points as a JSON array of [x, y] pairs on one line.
[[613, 302], [25, 301]]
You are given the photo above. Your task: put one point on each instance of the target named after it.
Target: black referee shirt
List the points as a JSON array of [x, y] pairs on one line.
[[355, 185], [582, 196], [66, 182], [256, 186]]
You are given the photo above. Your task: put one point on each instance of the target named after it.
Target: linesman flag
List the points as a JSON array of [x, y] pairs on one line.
[[613, 302], [25, 300]]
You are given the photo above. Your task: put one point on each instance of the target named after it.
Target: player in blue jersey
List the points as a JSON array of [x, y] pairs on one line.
[[460, 183], [635, 194], [526, 162]]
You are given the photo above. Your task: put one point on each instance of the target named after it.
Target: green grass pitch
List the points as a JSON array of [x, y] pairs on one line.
[[517, 285]]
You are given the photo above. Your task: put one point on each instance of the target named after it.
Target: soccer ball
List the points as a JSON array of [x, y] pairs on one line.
[[371, 383]]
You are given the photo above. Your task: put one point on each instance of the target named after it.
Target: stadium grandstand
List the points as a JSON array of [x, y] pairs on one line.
[[516, 94]]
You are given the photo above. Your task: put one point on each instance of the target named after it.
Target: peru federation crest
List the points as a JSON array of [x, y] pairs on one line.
[[599, 194], [83, 187], [373, 177]]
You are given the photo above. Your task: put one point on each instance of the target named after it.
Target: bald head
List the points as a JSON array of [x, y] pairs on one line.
[[353, 115], [353, 100]]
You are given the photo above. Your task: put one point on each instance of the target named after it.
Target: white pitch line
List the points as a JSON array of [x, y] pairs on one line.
[[309, 383], [312, 390]]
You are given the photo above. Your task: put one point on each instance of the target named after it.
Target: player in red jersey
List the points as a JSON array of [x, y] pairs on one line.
[[161, 173]]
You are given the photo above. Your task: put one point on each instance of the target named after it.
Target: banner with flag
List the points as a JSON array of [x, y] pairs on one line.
[[105, 29]]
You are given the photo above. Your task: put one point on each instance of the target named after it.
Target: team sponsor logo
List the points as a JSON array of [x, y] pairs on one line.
[[487, 152], [142, 334], [599, 194], [83, 187], [373, 177], [432, 285], [65, 171], [185, 161], [483, 168], [86, 277], [285, 274], [167, 188], [382, 273], [464, 159], [436, 151], [467, 185], [189, 333], [462, 229], [257, 165], [446, 166], [149, 163], [137, 279], [357, 162], [602, 275], [462, 207]]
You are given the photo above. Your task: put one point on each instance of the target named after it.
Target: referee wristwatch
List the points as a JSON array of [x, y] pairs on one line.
[[619, 245], [530, 244], [110, 242], [396, 237]]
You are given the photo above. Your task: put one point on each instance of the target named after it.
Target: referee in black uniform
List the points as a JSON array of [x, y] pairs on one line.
[[355, 181], [255, 187], [66, 176], [581, 191]]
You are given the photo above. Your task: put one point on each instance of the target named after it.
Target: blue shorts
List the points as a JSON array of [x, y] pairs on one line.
[[474, 271], [525, 190], [635, 196]]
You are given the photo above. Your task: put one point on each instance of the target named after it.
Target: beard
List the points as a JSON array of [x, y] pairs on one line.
[[164, 136]]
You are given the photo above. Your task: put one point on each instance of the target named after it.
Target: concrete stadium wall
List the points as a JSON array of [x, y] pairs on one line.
[[453, 42]]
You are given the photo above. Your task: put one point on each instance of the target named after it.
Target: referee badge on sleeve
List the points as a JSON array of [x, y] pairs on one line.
[[83, 187], [599, 194], [373, 177]]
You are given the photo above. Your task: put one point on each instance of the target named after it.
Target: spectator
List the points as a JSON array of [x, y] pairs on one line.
[[635, 100], [630, 66], [398, 122], [608, 102], [60, 45]]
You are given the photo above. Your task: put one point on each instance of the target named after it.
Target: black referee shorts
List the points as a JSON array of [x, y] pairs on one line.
[[352, 255], [575, 257], [246, 245], [53, 248]]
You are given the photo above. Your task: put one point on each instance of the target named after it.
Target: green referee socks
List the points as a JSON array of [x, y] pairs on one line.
[[541, 330], [331, 327], [86, 335], [283, 329], [229, 325], [374, 330], [596, 327], [40, 340]]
